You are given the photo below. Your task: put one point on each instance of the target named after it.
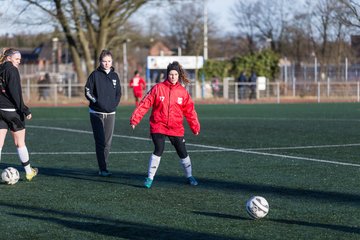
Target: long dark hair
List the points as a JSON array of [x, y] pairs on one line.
[[183, 78]]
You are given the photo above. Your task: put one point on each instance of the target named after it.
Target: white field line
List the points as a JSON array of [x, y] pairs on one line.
[[278, 155], [214, 148], [125, 152], [237, 118], [304, 147]]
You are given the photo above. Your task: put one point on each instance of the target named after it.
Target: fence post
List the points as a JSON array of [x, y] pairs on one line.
[[69, 88], [346, 69], [328, 87], [278, 92], [318, 92], [28, 89], [315, 70], [226, 88], [358, 91], [202, 85], [236, 92], [294, 87], [56, 94]]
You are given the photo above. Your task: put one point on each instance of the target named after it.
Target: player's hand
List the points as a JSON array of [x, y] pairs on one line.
[[29, 116], [132, 126], [197, 133]]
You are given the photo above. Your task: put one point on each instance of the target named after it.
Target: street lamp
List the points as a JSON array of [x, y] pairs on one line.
[[205, 48], [315, 66], [205, 32], [55, 41]]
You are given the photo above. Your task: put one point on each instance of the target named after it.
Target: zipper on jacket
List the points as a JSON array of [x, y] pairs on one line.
[[168, 116]]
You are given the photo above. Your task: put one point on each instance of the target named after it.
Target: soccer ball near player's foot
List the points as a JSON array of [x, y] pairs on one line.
[[10, 176]]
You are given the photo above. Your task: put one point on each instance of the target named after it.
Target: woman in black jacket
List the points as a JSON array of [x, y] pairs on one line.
[[103, 91], [12, 108]]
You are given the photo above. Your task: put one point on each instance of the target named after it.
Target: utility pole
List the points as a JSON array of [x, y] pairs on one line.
[[205, 32], [125, 62], [205, 49]]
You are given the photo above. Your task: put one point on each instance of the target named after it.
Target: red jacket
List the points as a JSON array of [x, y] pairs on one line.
[[170, 104]]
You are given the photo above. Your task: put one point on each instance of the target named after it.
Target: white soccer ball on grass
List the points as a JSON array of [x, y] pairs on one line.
[[257, 207], [10, 175]]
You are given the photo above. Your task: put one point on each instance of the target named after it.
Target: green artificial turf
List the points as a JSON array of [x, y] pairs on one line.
[[303, 158]]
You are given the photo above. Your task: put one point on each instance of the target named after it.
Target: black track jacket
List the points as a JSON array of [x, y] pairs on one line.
[[10, 89], [103, 90]]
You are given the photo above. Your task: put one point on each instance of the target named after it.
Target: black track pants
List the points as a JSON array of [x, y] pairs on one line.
[[103, 128]]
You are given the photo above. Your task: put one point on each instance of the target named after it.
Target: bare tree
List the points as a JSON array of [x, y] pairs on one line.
[[297, 44], [328, 31], [245, 21], [185, 27], [263, 21], [89, 26], [351, 10]]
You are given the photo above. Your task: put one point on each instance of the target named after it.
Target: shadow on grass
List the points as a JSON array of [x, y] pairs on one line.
[[319, 225], [85, 174], [222, 215], [136, 180], [279, 190], [107, 227], [339, 228]]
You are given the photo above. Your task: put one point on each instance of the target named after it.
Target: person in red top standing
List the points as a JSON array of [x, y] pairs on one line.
[[138, 85], [170, 103]]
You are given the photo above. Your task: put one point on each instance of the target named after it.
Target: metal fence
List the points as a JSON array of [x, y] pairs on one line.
[[313, 86], [229, 92]]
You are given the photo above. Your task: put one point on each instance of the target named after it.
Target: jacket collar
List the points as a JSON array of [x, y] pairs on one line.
[[5, 65], [169, 84], [102, 70]]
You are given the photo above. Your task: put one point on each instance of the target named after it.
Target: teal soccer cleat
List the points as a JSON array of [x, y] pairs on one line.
[[105, 173], [148, 182], [192, 181]]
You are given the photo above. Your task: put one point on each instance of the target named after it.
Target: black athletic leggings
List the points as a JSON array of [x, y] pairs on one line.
[[159, 143]]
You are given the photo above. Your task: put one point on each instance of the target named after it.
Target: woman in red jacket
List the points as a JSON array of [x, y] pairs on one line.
[[170, 102]]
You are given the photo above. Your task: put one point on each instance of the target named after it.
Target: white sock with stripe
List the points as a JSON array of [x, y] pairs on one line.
[[24, 158], [186, 164], [154, 162]]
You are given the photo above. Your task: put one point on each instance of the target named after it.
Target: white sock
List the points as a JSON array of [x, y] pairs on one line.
[[186, 164], [154, 162], [24, 158]]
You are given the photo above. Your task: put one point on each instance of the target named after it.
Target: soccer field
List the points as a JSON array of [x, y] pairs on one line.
[[303, 158]]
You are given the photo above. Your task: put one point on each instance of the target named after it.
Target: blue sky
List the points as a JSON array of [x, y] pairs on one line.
[[221, 11]]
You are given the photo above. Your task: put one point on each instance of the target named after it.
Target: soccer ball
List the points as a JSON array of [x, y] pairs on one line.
[[10, 176], [257, 207]]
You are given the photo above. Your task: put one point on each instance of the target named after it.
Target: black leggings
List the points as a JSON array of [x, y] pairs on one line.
[[159, 143]]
